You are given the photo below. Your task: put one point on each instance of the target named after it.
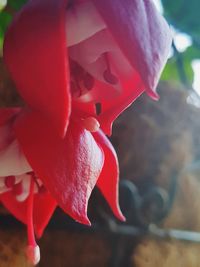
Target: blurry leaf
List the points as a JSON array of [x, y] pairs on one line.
[[16, 4], [2, 4], [5, 19], [6, 16], [171, 71], [184, 15], [192, 53]]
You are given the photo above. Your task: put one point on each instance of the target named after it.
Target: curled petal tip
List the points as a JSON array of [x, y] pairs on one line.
[[84, 220], [106, 127], [154, 95], [33, 254], [117, 211], [120, 216]]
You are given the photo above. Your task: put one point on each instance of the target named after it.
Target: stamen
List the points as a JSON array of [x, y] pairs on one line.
[[33, 254], [91, 124], [33, 250], [108, 75]]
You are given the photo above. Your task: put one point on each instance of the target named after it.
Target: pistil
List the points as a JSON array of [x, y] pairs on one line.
[[33, 250]]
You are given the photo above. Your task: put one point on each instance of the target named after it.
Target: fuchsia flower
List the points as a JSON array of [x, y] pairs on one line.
[[65, 57]]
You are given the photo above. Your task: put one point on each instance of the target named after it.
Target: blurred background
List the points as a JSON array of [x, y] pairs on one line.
[[158, 145]]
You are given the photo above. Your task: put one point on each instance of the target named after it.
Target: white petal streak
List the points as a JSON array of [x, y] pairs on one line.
[[13, 161], [88, 51], [82, 22]]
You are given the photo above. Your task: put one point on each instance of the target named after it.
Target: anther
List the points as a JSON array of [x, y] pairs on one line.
[[33, 254]]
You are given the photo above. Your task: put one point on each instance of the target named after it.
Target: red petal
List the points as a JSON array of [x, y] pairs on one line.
[[142, 34], [35, 52], [7, 113], [44, 206], [68, 167], [110, 110], [109, 178]]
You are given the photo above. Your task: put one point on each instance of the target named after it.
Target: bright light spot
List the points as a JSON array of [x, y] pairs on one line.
[[196, 69], [159, 6], [182, 41], [193, 98], [3, 3]]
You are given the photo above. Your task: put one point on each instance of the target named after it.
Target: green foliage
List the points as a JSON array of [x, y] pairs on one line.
[[2, 4], [16, 4], [184, 15], [5, 19], [171, 71], [192, 53], [6, 16]]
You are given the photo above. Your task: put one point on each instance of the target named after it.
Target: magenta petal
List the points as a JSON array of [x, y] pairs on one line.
[[142, 33], [36, 55], [68, 167], [109, 178], [44, 206]]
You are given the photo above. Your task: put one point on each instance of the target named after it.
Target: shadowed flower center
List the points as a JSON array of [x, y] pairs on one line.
[[94, 56]]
